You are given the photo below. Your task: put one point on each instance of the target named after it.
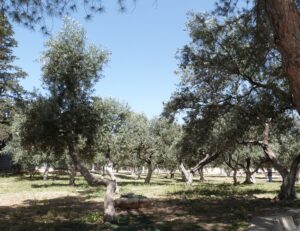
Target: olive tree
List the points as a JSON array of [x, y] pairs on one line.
[[66, 120], [225, 72], [111, 134], [277, 21], [166, 135]]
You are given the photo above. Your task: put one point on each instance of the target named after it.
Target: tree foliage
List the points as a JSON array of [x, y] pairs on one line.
[[67, 116], [112, 139], [10, 89], [32, 13], [229, 83]]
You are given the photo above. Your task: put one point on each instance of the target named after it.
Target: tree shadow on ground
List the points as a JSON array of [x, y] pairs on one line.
[[92, 193], [198, 214], [49, 185], [222, 190], [78, 213], [64, 213], [126, 177], [136, 183], [143, 176], [38, 176]]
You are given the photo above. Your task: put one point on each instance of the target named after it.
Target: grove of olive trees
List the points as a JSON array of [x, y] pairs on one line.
[[235, 110]]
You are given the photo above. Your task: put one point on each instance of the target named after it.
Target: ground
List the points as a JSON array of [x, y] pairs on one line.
[[34, 204]]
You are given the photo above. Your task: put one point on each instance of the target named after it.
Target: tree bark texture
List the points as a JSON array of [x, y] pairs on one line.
[[109, 210], [45, 175], [139, 172], [72, 174], [287, 189], [249, 175], [149, 173], [234, 176], [249, 178], [172, 173], [201, 174], [285, 20], [187, 176], [109, 169]]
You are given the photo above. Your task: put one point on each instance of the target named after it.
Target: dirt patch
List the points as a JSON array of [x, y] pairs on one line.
[[14, 199]]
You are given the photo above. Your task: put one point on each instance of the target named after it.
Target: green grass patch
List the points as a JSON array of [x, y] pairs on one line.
[[35, 204]]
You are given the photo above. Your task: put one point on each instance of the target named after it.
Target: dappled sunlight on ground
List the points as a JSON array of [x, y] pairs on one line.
[[212, 205]]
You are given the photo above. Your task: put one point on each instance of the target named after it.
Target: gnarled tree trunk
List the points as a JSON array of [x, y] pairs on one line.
[[139, 172], [109, 169], [72, 174], [287, 189], [172, 173], [228, 172], [234, 167], [109, 209], [249, 178], [201, 174], [109, 165], [149, 173], [45, 175], [109, 204], [187, 176], [249, 175], [234, 176]]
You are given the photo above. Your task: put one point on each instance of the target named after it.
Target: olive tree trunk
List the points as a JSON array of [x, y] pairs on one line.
[[72, 174], [172, 173], [287, 189], [249, 174], [249, 178], [149, 173], [201, 174], [45, 175], [109, 169], [187, 176], [139, 172], [234, 166], [109, 164], [109, 209], [234, 176]]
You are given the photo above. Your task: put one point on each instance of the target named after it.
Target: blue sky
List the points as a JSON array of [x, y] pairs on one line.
[[143, 43]]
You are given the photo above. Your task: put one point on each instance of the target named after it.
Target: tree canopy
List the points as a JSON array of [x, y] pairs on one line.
[[32, 13], [10, 89]]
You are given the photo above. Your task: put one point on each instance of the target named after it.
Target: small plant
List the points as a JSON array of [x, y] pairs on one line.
[[95, 217]]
